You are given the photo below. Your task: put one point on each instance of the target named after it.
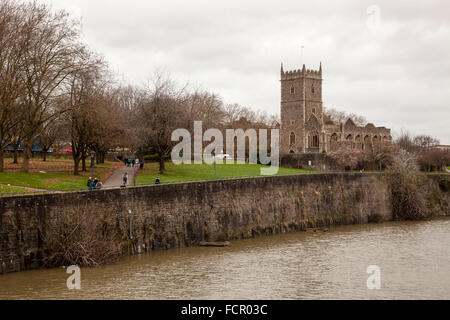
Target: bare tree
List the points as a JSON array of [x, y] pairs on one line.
[[85, 100], [11, 85], [159, 113], [425, 141], [52, 53], [340, 117], [50, 135]]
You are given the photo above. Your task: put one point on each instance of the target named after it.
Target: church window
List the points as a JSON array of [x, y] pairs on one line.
[[312, 89], [313, 139], [292, 122], [292, 90], [292, 139]]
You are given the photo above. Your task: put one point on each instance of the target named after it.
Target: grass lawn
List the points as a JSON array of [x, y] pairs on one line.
[[57, 174], [11, 189], [204, 172]]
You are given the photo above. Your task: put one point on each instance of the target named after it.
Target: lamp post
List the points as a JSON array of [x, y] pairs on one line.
[[92, 162], [214, 157], [134, 177]]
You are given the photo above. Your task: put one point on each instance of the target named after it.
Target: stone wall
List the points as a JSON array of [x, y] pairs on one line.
[[181, 215]]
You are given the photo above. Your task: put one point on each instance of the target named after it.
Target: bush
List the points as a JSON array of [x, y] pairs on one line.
[[407, 185], [433, 160], [80, 238]]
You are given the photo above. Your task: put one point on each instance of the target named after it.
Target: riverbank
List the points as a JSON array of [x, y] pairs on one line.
[[142, 219], [298, 265]]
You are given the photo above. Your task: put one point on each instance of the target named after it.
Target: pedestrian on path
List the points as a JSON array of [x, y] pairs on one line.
[[125, 179], [137, 162], [157, 181]]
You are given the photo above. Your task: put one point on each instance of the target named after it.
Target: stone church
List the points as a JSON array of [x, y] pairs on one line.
[[305, 128]]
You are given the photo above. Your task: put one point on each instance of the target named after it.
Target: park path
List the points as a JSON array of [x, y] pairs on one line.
[[116, 178]]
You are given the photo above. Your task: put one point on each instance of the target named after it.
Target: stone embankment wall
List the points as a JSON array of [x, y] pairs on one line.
[[181, 215]]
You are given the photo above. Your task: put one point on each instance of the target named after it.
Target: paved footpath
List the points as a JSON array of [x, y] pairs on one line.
[[116, 179]]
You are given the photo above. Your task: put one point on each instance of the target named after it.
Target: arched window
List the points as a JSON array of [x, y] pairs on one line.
[[292, 140], [367, 143], [334, 141], [349, 140], [358, 142], [313, 139], [292, 90]]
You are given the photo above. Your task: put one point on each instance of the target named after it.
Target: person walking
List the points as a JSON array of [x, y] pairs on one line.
[[137, 162], [157, 181], [125, 179], [133, 162]]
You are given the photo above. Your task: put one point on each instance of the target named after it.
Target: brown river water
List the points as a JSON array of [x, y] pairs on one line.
[[413, 257]]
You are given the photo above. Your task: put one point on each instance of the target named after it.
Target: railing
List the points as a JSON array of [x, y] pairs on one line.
[[143, 184]]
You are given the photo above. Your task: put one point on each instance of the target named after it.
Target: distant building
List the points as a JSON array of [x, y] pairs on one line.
[[443, 147], [305, 128]]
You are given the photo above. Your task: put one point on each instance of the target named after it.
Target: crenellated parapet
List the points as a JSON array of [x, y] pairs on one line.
[[301, 73]]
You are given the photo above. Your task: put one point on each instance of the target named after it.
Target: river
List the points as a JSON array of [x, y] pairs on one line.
[[413, 257]]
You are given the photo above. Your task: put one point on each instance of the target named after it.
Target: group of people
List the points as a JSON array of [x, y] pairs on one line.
[[132, 162], [94, 184]]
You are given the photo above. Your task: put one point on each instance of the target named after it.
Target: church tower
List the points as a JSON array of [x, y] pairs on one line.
[[301, 111]]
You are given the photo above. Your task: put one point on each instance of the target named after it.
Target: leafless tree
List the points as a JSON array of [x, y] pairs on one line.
[[49, 136], [52, 53], [425, 141], [340, 117], [12, 46], [159, 113], [86, 102]]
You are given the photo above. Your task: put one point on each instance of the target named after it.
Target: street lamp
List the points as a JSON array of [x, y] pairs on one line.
[[92, 162], [134, 177], [214, 157]]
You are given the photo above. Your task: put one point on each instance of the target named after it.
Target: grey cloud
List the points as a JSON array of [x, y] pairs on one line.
[[397, 75]]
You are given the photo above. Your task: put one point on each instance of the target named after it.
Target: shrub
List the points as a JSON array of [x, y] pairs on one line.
[[80, 238], [407, 185]]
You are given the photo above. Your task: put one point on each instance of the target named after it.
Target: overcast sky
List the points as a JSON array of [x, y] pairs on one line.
[[386, 60]]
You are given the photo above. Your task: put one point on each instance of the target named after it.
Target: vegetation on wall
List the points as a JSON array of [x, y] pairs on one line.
[[408, 188]]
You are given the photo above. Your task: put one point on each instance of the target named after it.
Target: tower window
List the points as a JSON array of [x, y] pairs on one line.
[[292, 140], [292, 90], [313, 139], [292, 122], [312, 89]]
